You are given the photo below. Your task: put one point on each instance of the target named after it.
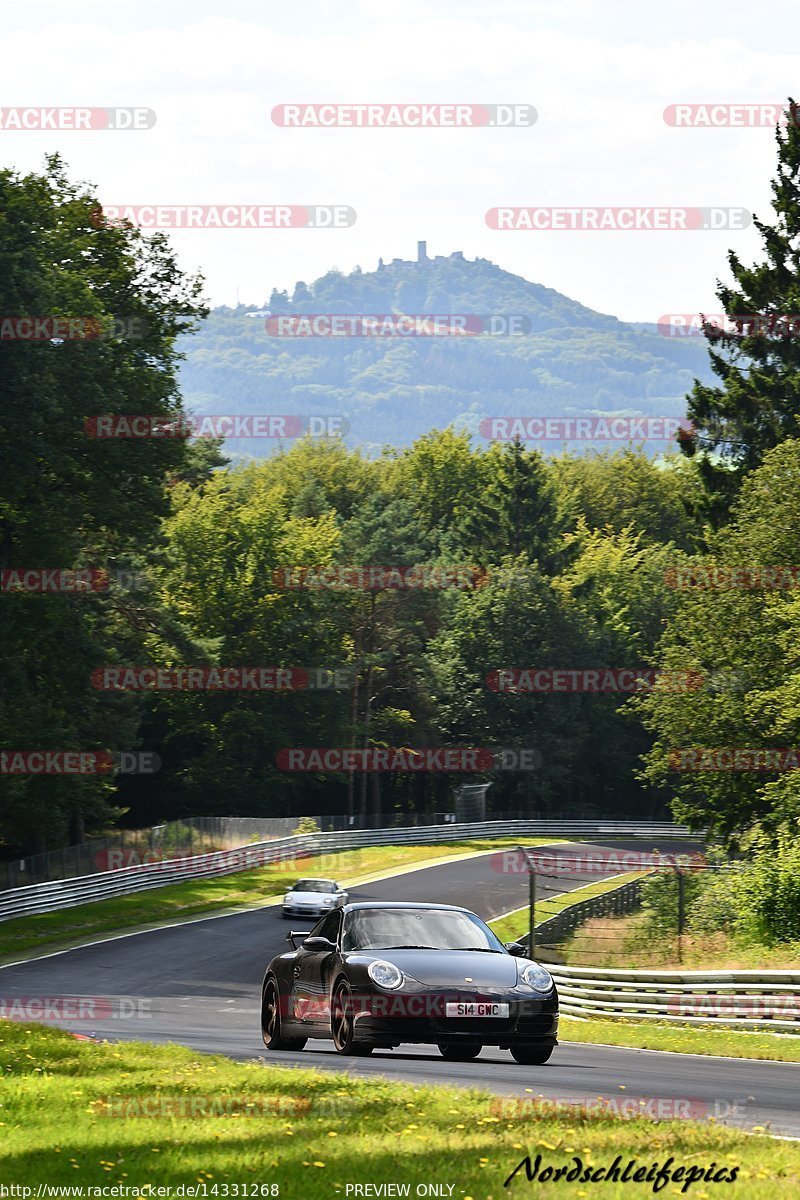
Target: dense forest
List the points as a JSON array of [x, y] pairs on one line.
[[671, 580]]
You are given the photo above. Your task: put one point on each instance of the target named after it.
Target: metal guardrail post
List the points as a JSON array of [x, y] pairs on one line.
[[531, 901], [681, 910]]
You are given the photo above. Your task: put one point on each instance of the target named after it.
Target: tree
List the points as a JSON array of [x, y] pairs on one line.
[[663, 502], [514, 621], [514, 512], [388, 630], [737, 624], [757, 403], [439, 476], [226, 541], [68, 499]]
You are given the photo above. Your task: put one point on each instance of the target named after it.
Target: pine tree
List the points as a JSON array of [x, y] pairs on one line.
[[516, 511], [757, 404]]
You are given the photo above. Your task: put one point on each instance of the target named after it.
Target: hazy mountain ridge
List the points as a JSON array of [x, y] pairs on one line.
[[574, 361]]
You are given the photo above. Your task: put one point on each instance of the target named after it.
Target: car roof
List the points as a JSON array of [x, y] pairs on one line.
[[358, 904]]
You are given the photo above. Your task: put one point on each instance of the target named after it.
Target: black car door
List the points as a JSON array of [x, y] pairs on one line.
[[311, 975]]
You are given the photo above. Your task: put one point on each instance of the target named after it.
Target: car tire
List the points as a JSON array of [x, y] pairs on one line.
[[532, 1056], [343, 1025], [454, 1052], [271, 1021]]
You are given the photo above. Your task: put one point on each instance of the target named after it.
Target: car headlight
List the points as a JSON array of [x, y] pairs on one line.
[[287, 899], [537, 977], [329, 900], [385, 974]]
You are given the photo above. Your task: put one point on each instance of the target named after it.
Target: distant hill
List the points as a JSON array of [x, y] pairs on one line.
[[572, 362]]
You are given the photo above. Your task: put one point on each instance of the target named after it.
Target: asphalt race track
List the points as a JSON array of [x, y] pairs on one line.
[[199, 984]]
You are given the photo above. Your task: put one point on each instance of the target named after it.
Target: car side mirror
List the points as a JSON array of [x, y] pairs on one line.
[[516, 949], [318, 943]]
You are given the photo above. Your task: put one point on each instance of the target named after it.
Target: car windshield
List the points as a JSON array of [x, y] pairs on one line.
[[314, 885], [417, 929]]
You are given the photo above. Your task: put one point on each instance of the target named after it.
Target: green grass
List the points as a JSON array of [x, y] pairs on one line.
[[515, 924], [629, 941], [683, 1039], [179, 901], [311, 1133]]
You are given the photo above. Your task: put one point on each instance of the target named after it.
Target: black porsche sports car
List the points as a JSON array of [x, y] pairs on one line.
[[379, 974]]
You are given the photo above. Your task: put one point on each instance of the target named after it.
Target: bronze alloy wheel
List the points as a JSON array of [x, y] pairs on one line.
[[343, 1023], [271, 1021]]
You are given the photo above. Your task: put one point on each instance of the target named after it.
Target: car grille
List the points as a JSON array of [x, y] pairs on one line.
[[486, 1025]]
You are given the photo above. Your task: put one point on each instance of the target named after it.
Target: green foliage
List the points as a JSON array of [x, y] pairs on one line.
[[70, 500], [743, 640], [662, 501], [660, 904], [756, 404], [760, 903], [307, 825]]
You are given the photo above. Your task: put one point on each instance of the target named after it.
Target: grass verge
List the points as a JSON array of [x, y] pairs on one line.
[[629, 941], [178, 901], [683, 1039], [515, 924], [310, 1134]]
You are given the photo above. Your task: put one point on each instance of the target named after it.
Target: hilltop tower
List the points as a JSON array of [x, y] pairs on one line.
[[422, 252]]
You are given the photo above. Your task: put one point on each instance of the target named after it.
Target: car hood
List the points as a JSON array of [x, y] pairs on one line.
[[310, 897], [453, 968]]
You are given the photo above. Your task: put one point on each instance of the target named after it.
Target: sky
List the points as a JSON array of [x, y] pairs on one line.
[[599, 75]]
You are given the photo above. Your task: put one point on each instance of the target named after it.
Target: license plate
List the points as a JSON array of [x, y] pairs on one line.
[[475, 1008]]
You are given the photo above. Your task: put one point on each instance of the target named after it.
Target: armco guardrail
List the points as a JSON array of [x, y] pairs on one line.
[[616, 902], [66, 893], [739, 999]]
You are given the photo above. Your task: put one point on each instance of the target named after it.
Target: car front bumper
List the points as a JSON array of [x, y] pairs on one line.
[[296, 910], [414, 1017]]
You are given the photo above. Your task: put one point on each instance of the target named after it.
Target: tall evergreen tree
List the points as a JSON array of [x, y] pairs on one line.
[[757, 403], [515, 511]]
